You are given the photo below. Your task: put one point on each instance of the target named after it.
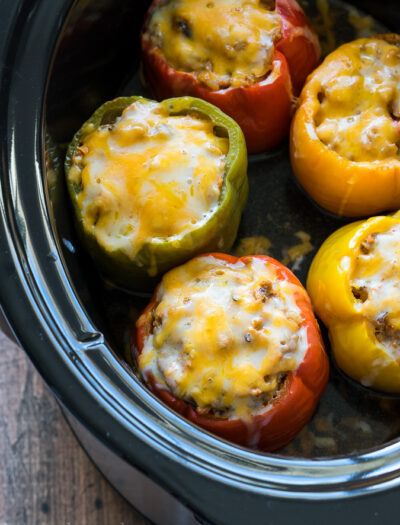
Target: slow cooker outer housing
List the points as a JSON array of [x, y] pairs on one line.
[[61, 333]]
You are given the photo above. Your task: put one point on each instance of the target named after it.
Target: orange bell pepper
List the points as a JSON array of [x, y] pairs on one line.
[[352, 332], [339, 185]]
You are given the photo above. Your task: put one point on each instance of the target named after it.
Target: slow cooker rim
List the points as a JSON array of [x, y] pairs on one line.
[[79, 358]]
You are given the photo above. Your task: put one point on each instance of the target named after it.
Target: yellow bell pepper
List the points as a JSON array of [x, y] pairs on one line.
[[345, 131], [352, 331]]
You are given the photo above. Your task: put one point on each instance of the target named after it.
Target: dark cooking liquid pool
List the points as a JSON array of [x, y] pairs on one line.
[[279, 220]]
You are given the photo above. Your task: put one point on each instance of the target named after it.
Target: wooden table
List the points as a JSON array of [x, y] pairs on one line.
[[45, 476]]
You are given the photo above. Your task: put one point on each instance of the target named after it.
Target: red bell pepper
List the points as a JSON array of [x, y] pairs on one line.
[[264, 109], [294, 403]]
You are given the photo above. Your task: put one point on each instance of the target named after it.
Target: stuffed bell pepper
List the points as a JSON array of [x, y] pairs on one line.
[[232, 345], [152, 184], [345, 136], [249, 58], [354, 284]]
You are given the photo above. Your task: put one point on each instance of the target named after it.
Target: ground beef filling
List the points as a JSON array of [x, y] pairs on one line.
[[359, 101], [375, 285], [224, 337], [149, 175], [228, 43]]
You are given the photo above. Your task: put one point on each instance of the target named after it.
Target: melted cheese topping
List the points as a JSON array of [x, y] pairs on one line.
[[148, 176], [224, 335], [360, 102], [226, 43], [376, 284]]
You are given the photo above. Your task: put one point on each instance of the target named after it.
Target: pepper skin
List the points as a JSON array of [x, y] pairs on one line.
[[354, 344], [155, 257], [263, 110], [292, 407], [341, 186]]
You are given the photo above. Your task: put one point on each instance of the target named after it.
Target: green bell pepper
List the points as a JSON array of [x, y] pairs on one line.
[[157, 256]]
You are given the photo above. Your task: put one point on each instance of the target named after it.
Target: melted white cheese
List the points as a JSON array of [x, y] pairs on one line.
[[150, 175], [377, 275], [360, 101], [224, 334], [224, 42]]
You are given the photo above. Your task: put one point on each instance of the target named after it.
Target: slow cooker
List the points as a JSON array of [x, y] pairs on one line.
[[59, 61]]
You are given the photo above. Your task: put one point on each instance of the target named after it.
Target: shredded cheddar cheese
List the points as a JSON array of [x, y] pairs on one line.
[[375, 284], [149, 175], [224, 335], [250, 245], [226, 43], [295, 254], [360, 101]]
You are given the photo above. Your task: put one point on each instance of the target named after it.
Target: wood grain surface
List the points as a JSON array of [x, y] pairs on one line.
[[45, 476]]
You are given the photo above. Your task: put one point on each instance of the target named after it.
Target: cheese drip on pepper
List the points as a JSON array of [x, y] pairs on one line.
[[224, 335], [376, 286], [360, 101], [149, 175], [226, 43]]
